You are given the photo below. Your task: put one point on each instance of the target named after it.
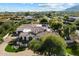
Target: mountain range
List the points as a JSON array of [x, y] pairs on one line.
[[74, 8]]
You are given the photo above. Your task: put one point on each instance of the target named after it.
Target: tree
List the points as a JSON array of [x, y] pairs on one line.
[[77, 23], [48, 45], [6, 25], [69, 29], [56, 23], [1, 30], [27, 13], [66, 17], [44, 20]]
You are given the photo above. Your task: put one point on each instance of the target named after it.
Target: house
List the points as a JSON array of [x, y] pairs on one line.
[[75, 17], [27, 32], [29, 17], [71, 19]]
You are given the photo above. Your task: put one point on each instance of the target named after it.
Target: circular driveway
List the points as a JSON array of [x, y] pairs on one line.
[[22, 53]]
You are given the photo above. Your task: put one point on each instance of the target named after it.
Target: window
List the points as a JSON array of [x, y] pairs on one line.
[[30, 38], [24, 38]]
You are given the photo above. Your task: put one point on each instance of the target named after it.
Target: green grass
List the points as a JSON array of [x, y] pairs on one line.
[[9, 48], [69, 51]]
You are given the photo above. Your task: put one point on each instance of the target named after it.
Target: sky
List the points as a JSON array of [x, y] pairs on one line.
[[15, 7]]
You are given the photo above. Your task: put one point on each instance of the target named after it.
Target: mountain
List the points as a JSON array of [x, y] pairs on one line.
[[74, 8]]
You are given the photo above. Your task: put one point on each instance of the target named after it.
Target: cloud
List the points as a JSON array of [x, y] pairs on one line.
[[36, 6], [56, 6]]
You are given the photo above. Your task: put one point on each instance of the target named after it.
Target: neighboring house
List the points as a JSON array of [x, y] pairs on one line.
[[28, 17], [71, 19], [75, 17]]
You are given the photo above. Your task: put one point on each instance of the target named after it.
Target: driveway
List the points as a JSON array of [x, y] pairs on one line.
[[22, 53]]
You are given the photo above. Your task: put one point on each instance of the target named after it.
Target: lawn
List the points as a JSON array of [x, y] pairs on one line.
[[69, 51], [9, 48]]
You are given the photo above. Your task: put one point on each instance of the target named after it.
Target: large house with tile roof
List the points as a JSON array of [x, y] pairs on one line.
[[27, 32]]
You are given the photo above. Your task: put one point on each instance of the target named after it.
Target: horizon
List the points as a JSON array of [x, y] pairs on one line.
[[24, 7]]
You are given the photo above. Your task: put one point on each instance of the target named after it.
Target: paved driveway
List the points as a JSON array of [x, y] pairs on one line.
[[22, 53]]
